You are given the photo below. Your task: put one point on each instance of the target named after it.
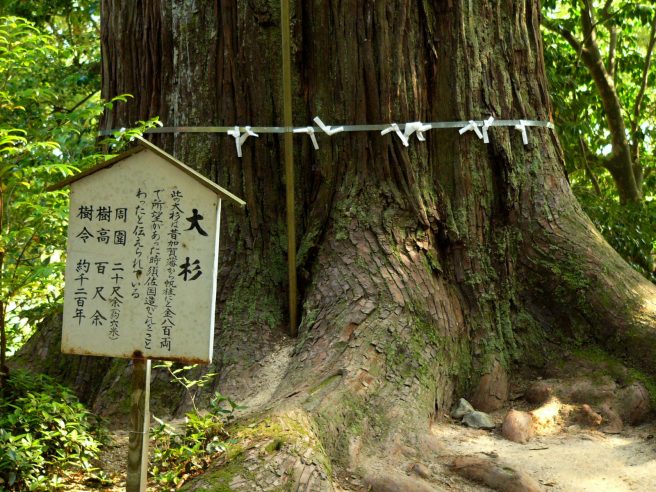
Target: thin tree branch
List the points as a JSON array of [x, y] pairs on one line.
[[2, 222], [565, 33], [59, 109], [588, 171], [22, 254], [627, 176], [612, 47], [637, 107], [4, 370], [588, 23]]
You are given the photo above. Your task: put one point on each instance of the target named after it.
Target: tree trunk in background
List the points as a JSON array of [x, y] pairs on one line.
[[424, 272]]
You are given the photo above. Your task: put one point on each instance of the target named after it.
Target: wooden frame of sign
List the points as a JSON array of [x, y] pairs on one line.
[[141, 268]]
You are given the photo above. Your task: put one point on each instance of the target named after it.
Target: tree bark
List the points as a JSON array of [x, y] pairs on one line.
[[424, 272]]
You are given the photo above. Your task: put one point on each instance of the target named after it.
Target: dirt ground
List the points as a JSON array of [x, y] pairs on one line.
[[571, 459], [594, 431], [567, 452]]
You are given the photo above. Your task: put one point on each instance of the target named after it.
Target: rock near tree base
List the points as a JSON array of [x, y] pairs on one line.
[[462, 408], [517, 426], [478, 420], [494, 474]]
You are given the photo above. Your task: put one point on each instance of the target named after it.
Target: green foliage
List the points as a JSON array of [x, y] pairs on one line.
[[630, 229], [45, 432], [179, 455], [49, 113], [180, 375], [578, 112], [581, 120], [46, 134], [32, 220]]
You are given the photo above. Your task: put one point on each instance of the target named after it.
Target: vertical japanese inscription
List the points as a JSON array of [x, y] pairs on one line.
[[81, 295], [154, 258], [99, 218], [191, 269], [115, 299], [95, 290], [168, 318], [99, 295], [139, 235], [151, 270], [151, 264]]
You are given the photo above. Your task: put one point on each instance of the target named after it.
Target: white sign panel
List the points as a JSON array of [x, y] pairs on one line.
[[141, 264]]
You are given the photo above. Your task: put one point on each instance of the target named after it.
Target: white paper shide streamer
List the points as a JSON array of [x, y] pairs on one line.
[[471, 125], [522, 128], [418, 128], [395, 128], [328, 130], [240, 138], [310, 131], [486, 125], [404, 131]]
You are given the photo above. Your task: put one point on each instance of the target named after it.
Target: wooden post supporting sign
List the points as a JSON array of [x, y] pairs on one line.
[[139, 424]]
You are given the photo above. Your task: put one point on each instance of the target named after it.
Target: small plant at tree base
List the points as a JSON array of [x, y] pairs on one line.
[[45, 434], [181, 454]]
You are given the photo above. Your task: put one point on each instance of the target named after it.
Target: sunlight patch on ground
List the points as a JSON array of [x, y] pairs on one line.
[[547, 419]]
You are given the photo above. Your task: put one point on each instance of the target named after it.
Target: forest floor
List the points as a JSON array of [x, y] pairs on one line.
[[570, 451], [572, 458]]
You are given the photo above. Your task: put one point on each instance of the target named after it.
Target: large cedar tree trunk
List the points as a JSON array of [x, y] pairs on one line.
[[425, 272]]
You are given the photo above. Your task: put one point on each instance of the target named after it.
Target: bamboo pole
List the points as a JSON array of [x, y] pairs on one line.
[[289, 164]]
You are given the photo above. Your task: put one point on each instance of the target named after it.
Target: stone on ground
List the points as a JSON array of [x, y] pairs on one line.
[[589, 417], [538, 393], [612, 421], [633, 404], [396, 483], [478, 420], [462, 408], [420, 470], [517, 426]]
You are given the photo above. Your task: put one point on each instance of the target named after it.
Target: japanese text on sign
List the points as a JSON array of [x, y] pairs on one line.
[[141, 265]]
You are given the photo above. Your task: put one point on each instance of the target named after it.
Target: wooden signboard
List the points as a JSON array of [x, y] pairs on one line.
[[142, 256], [141, 268]]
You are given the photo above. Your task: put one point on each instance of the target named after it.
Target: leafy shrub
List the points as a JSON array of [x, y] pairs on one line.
[[180, 455], [629, 228], [44, 432]]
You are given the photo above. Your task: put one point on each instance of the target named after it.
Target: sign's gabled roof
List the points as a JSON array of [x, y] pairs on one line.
[[146, 145]]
